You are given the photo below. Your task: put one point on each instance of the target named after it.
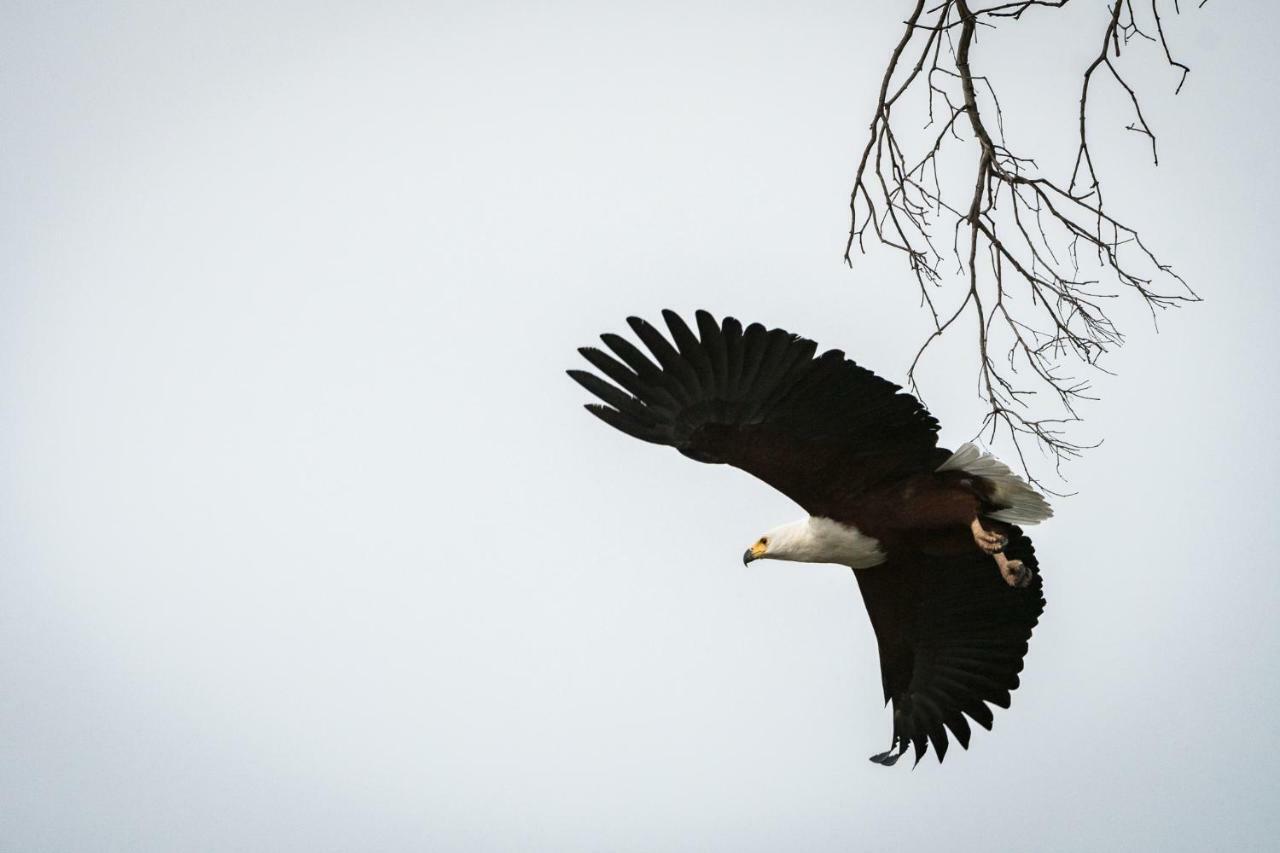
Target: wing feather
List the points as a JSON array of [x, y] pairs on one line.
[[817, 427], [952, 636]]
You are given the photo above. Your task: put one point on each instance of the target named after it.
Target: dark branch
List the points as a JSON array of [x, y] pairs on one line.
[[1021, 230]]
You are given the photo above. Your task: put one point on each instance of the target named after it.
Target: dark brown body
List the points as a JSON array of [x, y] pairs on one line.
[[930, 513]]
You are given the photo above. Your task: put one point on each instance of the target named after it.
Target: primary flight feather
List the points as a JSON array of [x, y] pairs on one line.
[[951, 585]]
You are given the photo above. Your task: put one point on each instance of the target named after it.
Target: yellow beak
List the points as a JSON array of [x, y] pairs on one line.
[[755, 552]]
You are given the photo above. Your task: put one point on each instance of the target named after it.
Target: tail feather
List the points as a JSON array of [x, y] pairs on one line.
[[1018, 502]]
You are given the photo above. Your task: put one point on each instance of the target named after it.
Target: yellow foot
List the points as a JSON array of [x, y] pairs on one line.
[[1015, 572], [989, 541]]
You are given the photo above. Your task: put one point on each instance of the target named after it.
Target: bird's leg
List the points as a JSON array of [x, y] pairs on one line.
[[1014, 572], [989, 541]]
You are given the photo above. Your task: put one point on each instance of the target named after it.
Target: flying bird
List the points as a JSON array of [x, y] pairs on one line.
[[950, 583]]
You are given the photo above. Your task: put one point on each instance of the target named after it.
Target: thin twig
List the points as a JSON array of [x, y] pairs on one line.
[[1022, 230]]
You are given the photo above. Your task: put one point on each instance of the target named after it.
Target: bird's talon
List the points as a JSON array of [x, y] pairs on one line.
[[1016, 573], [988, 541]]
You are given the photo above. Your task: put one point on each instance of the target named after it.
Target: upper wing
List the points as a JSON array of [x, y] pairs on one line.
[[952, 635], [819, 429]]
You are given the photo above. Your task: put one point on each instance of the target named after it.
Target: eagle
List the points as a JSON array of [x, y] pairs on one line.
[[950, 582]]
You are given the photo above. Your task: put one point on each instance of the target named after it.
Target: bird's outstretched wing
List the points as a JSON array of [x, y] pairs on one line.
[[952, 635], [818, 428]]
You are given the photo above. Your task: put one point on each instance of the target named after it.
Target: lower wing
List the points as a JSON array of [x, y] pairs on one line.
[[952, 635]]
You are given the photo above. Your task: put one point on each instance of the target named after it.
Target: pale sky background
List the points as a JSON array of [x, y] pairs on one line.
[[307, 545]]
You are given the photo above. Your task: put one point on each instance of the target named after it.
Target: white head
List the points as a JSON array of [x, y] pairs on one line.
[[817, 540], [788, 542]]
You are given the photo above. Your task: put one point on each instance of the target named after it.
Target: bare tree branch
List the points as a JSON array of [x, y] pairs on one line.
[[1017, 237]]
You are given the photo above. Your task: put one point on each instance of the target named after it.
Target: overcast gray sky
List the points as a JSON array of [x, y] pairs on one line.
[[306, 543]]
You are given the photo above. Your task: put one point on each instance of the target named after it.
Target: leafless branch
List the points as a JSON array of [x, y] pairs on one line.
[[1017, 237]]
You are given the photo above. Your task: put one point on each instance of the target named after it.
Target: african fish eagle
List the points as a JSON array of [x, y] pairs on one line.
[[949, 581]]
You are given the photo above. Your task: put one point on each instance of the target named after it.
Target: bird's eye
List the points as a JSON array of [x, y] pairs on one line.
[[764, 540]]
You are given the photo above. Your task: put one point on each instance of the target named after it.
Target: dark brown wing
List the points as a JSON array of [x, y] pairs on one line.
[[952, 635], [820, 429]]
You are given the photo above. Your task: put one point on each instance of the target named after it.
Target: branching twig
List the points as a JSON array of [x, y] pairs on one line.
[[1021, 231]]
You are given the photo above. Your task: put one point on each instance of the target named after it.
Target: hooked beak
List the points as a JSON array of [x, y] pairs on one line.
[[755, 552], [747, 556]]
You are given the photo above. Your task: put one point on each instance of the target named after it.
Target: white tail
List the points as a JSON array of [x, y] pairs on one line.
[[1018, 502]]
